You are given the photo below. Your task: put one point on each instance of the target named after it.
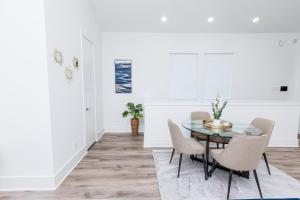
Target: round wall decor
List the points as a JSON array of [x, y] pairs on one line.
[[75, 62], [58, 57], [68, 73]]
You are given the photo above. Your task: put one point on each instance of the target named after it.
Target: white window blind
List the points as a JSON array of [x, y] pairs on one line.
[[183, 75], [217, 75]]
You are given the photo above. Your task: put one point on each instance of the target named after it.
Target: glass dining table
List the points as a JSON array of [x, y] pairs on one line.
[[202, 133]]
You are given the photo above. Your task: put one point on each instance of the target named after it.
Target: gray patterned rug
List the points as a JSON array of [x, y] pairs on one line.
[[192, 186]]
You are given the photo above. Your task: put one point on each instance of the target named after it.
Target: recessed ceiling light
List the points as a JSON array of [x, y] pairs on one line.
[[164, 19], [210, 19], [255, 19]]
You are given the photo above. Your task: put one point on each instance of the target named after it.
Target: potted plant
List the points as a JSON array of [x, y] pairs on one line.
[[135, 112], [218, 110]]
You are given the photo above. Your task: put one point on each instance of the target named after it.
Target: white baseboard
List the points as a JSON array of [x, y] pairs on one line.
[[117, 129], [100, 134], [34, 183], [153, 143], [63, 172], [284, 142], [66, 169], [26, 183], [120, 129]]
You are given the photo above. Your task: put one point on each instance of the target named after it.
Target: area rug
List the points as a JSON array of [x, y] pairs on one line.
[[191, 184]]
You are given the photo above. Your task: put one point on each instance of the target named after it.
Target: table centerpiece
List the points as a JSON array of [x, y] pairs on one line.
[[217, 107]]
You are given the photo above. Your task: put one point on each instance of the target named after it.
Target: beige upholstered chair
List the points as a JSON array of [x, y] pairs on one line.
[[183, 145], [243, 153], [266, 126], [200, 115]]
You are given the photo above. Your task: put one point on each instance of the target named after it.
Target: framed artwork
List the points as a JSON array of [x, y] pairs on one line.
[[123, 76]]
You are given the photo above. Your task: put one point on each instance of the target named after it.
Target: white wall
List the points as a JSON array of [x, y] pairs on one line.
[[99, 87], [297, 75], [260, 65], [296, 78], [25, 144], [66, 22], [42, 125]]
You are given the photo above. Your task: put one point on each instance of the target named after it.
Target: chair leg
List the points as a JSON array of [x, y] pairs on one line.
[[257, 183], [266, 161], [213, 168], [172, 155], [193, 157], [229, 183], [179, 165], [204, 162]]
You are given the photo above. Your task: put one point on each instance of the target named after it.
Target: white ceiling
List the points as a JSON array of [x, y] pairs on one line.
[[191, 15]]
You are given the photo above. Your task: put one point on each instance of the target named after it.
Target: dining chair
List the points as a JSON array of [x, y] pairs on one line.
[[242, 153], [202, 115], [266, 126], [184, 145]]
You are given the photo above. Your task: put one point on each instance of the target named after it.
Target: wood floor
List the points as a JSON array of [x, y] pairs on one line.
[[117, 167], [286, 159]]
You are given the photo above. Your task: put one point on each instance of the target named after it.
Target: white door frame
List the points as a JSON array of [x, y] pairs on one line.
[[82, 37]]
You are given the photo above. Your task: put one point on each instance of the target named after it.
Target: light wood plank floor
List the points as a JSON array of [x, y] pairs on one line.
[[286, 159], [117, 167]]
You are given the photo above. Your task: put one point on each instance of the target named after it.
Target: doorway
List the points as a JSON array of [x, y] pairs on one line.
[[89, 91]]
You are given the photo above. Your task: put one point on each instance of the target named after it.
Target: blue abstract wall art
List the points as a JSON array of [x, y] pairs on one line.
[[123, 76]]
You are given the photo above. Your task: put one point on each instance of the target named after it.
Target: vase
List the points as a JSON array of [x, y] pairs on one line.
[[135, 126], [217, 122]]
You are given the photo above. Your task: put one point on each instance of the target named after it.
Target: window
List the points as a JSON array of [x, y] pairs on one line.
[[217, 75], [183, 75]]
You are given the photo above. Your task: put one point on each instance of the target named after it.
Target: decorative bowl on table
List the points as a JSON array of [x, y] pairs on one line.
[[224, 125]]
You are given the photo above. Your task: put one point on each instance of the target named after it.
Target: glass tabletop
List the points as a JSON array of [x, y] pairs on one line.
[[237, 129]]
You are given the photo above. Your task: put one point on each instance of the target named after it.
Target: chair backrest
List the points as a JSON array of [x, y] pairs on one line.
[[243, 153], [266, 126], [200, 115], [178, 140]]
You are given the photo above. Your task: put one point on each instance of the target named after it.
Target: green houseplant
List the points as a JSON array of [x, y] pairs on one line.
[[218, 109], [136, 112]]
